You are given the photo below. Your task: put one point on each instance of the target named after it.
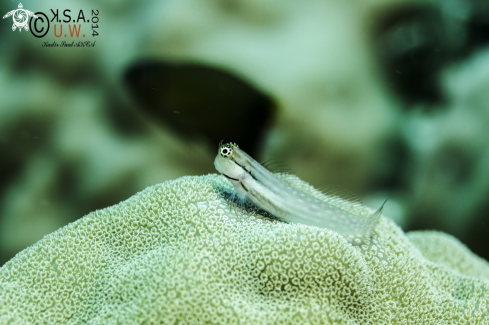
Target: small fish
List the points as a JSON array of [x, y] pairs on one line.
[[254, 182]]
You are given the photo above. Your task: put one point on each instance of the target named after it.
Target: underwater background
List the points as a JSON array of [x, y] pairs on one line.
[[386, 99]]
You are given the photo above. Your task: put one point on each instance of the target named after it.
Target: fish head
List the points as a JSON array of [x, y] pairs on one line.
[[226, 165]]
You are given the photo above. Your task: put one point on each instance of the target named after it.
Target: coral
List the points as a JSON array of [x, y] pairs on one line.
[[178, 252], [444, 249]]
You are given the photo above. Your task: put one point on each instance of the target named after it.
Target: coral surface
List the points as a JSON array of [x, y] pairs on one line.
[[177, 252]]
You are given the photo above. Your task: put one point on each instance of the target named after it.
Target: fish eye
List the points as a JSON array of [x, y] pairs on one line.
[[226, 151]]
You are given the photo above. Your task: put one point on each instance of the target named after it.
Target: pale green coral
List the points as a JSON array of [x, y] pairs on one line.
[[177, 252]]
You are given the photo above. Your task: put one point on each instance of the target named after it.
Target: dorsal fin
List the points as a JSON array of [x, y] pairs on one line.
[[278, 166], [339, 192], [332, 191]]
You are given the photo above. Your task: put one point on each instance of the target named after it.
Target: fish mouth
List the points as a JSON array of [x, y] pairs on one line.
[[233, 179]]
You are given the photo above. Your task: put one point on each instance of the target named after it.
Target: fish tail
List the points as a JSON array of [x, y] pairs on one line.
[[374, 220]]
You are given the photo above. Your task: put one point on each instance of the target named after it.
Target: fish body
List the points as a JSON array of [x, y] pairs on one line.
[[263, 188]]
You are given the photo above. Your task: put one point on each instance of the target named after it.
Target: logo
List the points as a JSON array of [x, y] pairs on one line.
[[20, 17], [71, 28]]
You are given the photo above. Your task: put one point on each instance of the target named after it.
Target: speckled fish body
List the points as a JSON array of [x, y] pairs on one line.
[[256, 183]]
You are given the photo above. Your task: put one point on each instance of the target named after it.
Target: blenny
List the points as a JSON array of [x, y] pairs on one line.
[[254, 182]]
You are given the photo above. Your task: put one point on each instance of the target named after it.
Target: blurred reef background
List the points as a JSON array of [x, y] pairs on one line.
[[387, 99]]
